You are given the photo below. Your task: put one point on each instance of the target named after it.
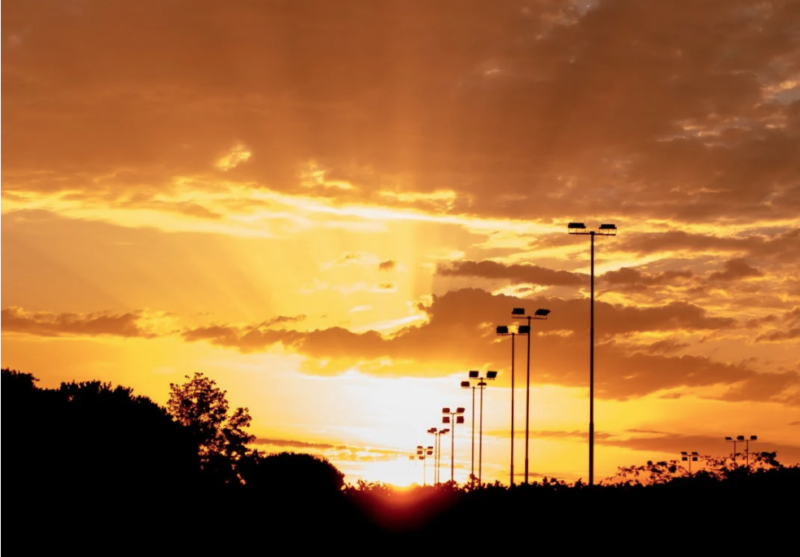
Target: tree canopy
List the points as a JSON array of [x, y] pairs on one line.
[[201, 407]]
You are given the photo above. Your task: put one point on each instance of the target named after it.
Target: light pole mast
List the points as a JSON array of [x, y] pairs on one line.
[[467, 385], [519, 313], [605, 230], [591, 372], [481, 384], [453, 418]]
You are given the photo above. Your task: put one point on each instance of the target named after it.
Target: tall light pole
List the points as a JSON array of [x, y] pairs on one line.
[[747, 449], [467, 385], [433, 432], [481, 384], [503, 330], [579, 228], [689, 457], [742, 439], [519, 313], [439, 458], [422, 454], [437, 451], [453, 418]]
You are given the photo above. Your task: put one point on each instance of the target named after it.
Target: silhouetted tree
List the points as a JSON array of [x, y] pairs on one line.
[[201, 406], [87, 453]]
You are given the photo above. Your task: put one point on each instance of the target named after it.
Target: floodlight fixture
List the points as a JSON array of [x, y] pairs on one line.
[[524, 330], [502, 330], [606, 229], [445, 419], [740, 437], [541, 313], [460, 410], [491, 375], [459, 419], [445, 410], [754, 438], [474, 374], [518, 311], [728, 439], [465, 385]]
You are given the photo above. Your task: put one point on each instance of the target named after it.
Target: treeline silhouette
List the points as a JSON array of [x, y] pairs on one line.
[[99, 469]]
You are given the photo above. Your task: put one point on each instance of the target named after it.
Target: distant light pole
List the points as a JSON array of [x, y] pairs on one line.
[[519, 313], [605, 230], [467, 385], [453, 418], [503, 330], [747, 450], [437, 442], [689, 457], [481, 385], [422, 454], [746, 441]]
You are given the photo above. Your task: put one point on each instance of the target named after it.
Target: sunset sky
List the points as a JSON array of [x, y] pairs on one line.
[[328, 206]]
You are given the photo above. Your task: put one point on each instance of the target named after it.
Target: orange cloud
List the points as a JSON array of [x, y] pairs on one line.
[[17, 320]]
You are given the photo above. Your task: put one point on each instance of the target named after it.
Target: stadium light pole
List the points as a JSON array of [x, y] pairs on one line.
[[519, 313], [452, 418], [689, 457], [503, 330], [734, 440], [444, 431], [432, 431], [467, 385], [747, 450], [578, 228], [746, 441], [481, 385], [437, 451], [422, 454]]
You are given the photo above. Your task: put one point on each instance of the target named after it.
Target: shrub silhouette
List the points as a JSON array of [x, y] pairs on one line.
[[291, 473]]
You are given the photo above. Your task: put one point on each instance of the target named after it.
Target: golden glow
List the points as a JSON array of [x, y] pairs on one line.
[[332, 229], [237, 155]]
